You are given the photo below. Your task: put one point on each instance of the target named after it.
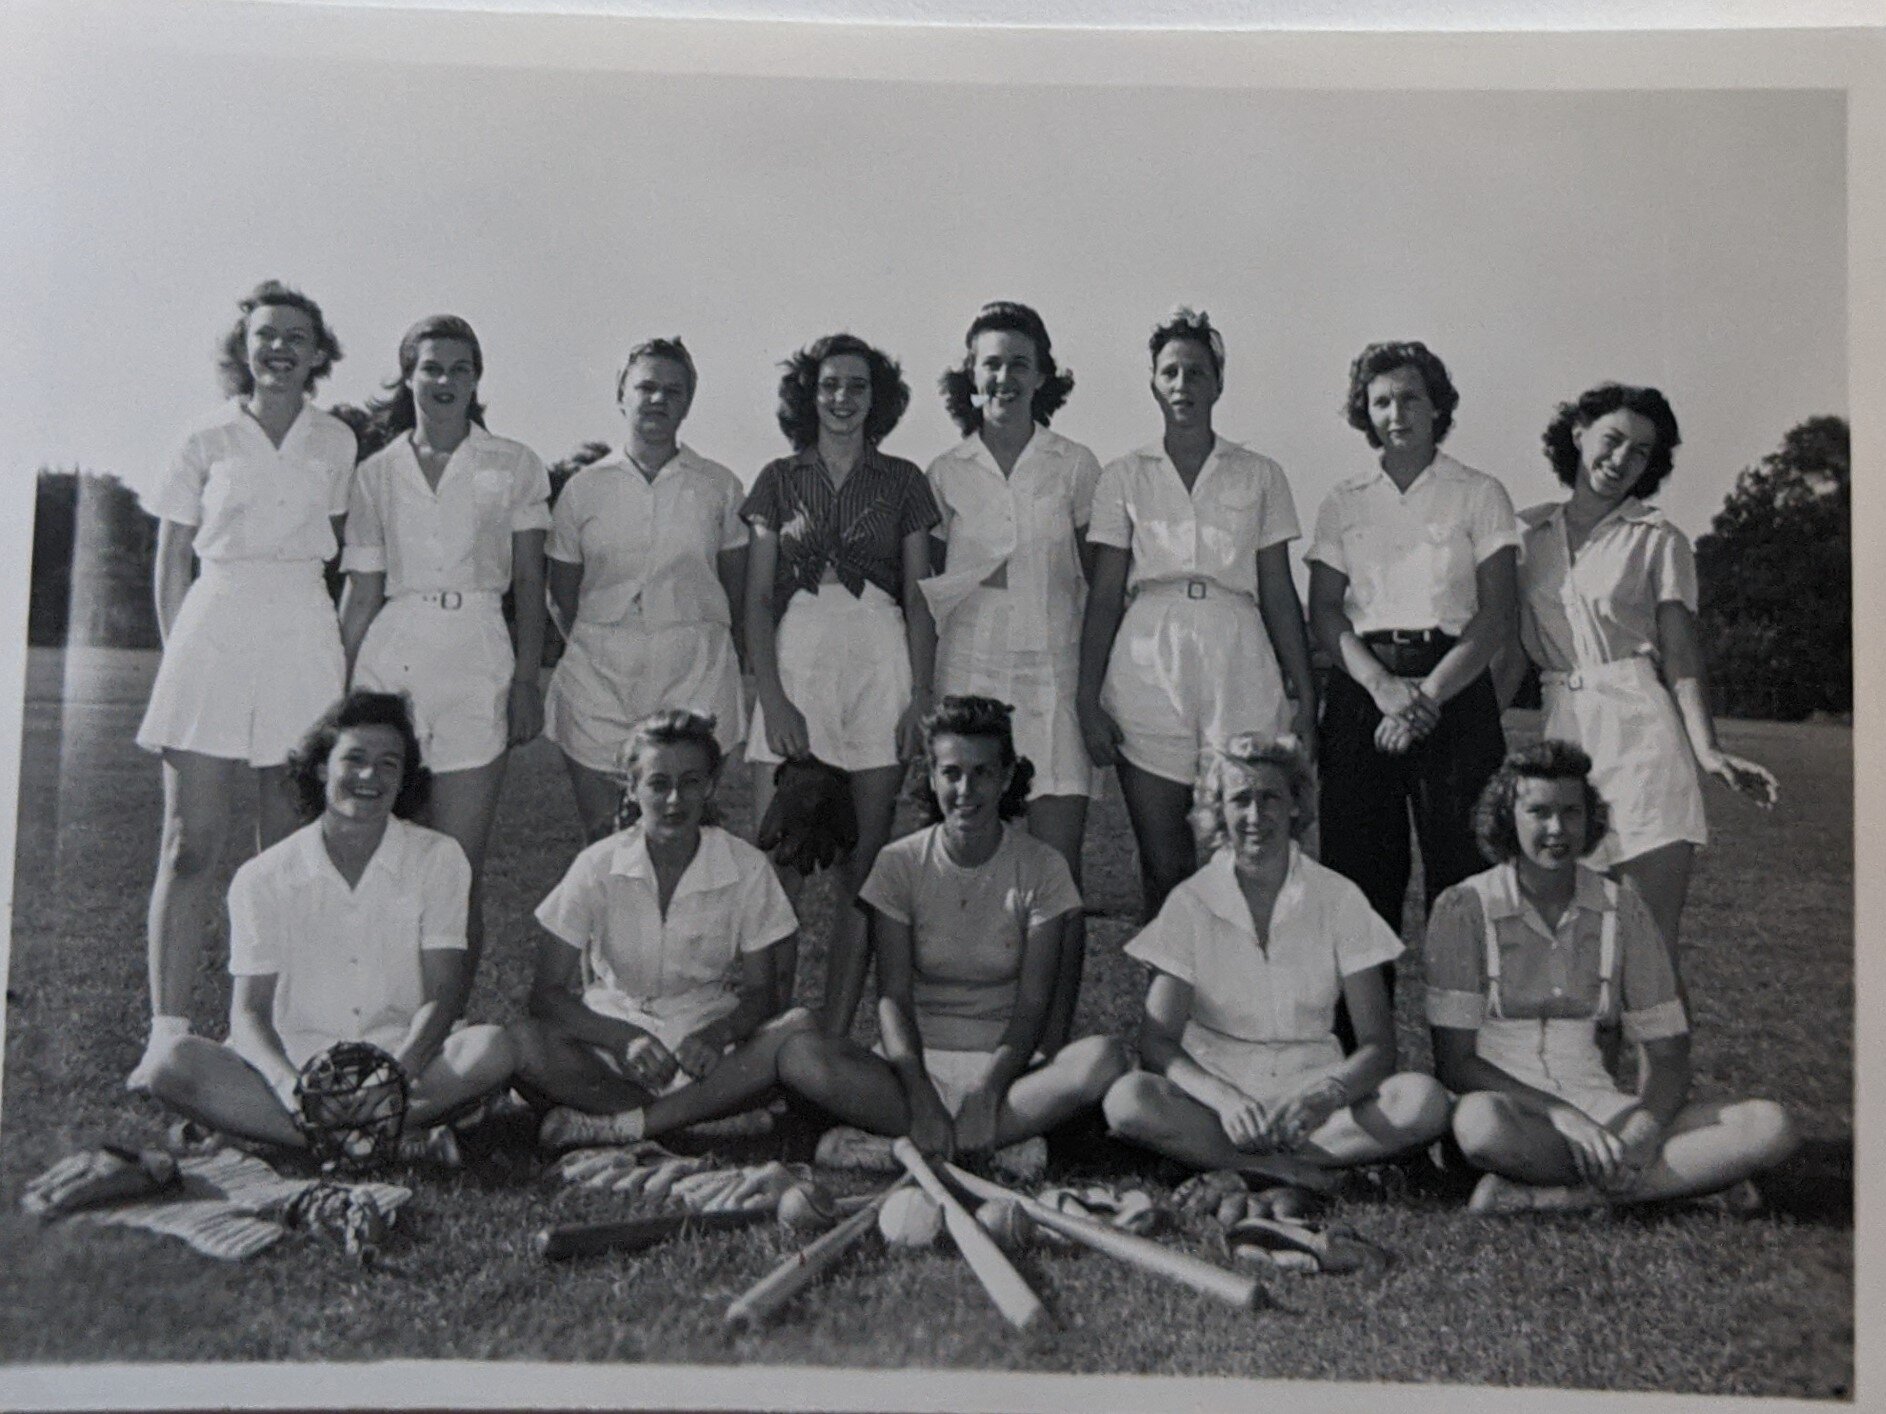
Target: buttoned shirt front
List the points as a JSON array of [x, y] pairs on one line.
[[1239, 504], [638, 963], [1600, 604], [457, 535], [346, 961], [649, 549], [1026, 523], [1548, 972], [1321, 931], [252, 500], [1411, 556]]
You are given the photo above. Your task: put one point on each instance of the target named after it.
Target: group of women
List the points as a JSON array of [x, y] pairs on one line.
[[1021, 618]]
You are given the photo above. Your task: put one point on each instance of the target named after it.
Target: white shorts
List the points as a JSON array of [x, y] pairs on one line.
[[844, 663], [1623, 716], [956, 1073], [613, 675], [1041, 688], [1267, 1071], [1190, 673], [253, 660], [1560, 1057], [455, 663]]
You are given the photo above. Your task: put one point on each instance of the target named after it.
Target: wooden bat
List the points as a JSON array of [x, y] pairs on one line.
[[758, 1303], [1228, 1286], [638, 1234], [1012, 1295]]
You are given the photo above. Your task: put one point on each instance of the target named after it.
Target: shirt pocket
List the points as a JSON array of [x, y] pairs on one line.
[[491, 489], [228, 497], [699, 949]]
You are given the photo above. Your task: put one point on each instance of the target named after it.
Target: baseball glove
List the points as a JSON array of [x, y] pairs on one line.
[[811, 821]]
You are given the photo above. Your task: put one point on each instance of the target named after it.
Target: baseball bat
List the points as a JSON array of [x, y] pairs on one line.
[[757, 1304], [1228, 1286], [555, 1244], [1012, 1295]]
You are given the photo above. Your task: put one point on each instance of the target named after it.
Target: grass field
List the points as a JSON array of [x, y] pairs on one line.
[[1680, 1300]]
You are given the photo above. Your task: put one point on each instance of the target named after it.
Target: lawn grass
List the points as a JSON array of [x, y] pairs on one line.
[[1679, 1300]]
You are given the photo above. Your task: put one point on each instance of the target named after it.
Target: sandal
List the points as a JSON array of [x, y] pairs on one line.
[[112, 1173]]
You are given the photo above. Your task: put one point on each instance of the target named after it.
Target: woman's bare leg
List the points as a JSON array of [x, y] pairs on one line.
[[1168, 854], [1061, 820]]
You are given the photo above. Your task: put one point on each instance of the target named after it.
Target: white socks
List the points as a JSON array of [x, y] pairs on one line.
[[565, 1128]]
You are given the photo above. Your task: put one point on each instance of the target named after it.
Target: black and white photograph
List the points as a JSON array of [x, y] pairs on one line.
[[717, 714]]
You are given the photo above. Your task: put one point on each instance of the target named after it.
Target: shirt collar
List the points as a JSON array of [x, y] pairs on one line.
[[713, 865], [1502, 899], [1219, 891], [684, 460], [1156, 452], [1441, 468], [312, 860]]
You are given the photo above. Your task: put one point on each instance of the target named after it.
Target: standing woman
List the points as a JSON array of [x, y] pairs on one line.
[[252, 651], [647, 557], [445, 517], [1192, 607], [1015, 499], [1411, 595], [1608, 612], [841, 640]]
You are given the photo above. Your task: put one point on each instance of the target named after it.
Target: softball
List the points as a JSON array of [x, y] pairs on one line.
[[910, 1218], [1006, 1223], [807, 1207]]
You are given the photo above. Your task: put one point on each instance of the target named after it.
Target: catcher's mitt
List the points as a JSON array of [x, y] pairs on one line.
[[811, 821], [351, 1102]]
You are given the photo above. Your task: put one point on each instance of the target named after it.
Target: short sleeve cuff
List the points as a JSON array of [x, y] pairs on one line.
[[179, 509], [1150, 952], [735, 536], [1327, 554], [535, 516], [895, 911], [1463, 1011], [554, 922], [563, 554], [363, 559], [443, 942], [1485, 549], [1657, 1023], [1282, 535]]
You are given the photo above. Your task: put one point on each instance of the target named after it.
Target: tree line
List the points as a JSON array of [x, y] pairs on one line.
[[1775, 571]]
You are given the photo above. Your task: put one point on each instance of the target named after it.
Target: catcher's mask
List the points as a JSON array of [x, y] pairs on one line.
[[352, 1102]]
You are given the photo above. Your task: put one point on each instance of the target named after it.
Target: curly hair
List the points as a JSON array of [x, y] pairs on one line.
[[973, 717], [668, 726], [799, 388], [1595, 403], [1378, 359], [359, 708], [1190, 326], [671, 350], [395, 415], [1547, 760], [1244, 752], [232, 366], [1002, 316]]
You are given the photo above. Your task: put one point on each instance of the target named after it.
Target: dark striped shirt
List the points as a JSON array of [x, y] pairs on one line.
[[858, 529]]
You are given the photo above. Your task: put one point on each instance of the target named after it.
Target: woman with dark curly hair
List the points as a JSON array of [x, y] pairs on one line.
[[1524, 963], [1411, 595], [1250, 956], [841, 641], [252, 649], [966, 922], [1193, 627], [350, 929], [1608, 612], [1015, 499], [445, 518]]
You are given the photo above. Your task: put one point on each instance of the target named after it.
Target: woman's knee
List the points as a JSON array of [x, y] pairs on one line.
[[806, 1061], [1767, 1129], [193, 844], [1414, 1104], [1134, 1104], [484, 1049], [1096, 1062], [1482, 1125]]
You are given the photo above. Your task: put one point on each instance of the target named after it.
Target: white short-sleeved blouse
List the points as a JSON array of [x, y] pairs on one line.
[[1600, 605]]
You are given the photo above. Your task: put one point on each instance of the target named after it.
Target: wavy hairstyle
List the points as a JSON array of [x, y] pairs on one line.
[[232, 366], [1002, 316], [1191, 326], [1595, 403], [1549, 760], [799, 387], [394, 415], [667, 726], [671, 350], [1243, 753], [1377, 359], [978, 717], [359, 708]]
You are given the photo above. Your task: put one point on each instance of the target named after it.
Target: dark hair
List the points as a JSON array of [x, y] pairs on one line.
[[1548, 760], [673, 350], [233, 366], [1378, 359], [394, 415], [978, 717], [359, 708], [668, 726], [1002, 316], [1595, 403], [1192, 327], [799, 386], [1245, 752]]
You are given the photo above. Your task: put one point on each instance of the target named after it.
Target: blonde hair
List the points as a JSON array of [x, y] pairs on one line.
[[1243, 753]]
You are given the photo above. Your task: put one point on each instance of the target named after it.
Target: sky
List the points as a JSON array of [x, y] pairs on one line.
[[1539, 242]]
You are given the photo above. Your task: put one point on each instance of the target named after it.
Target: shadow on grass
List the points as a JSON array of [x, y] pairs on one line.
[[1815, 1186]]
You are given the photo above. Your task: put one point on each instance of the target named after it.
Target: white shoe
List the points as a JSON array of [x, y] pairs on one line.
[[566, 1128], [843, 1147], [1497, 1194], [437, 1146]]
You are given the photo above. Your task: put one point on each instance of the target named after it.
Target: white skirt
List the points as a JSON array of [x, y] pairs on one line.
[[252, 662], [1624, 718], [1041, 688], [454, 663], [845, 665], [613, 675]]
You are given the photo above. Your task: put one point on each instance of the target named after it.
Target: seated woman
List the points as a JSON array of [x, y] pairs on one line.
[[351, 929], [653, 1004], [966, 922], [1524, 962], [1249, 955]]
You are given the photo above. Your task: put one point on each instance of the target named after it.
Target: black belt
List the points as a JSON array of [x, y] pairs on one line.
[[1409, 652]]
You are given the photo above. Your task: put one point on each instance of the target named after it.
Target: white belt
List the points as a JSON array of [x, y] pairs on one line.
[[1196, 588], [1590, 674], [456, 598]]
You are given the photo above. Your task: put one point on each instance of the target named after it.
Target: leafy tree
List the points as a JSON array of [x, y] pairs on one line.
[[93, 548], [1776, 580]]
